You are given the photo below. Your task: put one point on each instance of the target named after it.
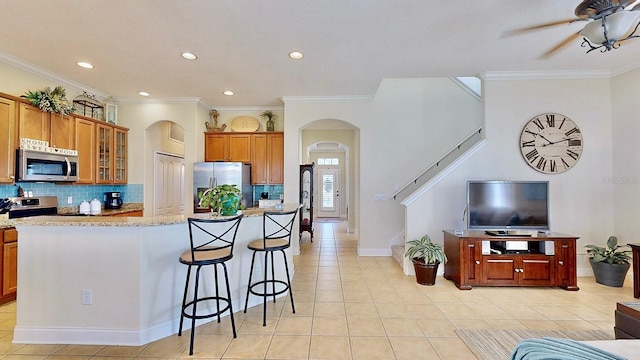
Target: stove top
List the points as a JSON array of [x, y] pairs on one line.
[[32, 206]]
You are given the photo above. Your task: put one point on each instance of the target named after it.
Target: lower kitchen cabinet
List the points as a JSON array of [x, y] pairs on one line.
[[9, 265]]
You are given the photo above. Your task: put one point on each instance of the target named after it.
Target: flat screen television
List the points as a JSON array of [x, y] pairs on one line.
[[503, 205]]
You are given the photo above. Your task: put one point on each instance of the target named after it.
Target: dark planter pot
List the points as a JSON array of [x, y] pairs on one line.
[[425, 273], [609, 274]]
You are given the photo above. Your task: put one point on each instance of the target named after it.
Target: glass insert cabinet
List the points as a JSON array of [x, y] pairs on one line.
[[306, 199]]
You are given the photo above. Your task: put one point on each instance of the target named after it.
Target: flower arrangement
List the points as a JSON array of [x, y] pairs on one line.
[[53, 101]]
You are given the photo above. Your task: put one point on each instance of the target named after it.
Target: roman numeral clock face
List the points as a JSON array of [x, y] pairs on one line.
[[551, 143]]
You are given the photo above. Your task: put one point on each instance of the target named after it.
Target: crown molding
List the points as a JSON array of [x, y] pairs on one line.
[[169, 100], [33, 69], [324, 99], [546, 75]]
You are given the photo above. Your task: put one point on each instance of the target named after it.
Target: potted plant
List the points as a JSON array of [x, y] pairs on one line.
[[426, 256], [223, 199], [271, 117], [610, 264]]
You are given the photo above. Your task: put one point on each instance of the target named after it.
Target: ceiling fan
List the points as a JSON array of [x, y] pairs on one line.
[[609, 23]]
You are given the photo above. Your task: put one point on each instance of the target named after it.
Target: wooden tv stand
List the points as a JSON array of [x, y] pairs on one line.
[[469, 265]]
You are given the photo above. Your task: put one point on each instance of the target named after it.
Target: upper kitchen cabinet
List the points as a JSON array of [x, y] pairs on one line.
[[227, 147], [267, 160], [86, 145], [57, 129], [33, 123], [111, 154], [7, 141], [63, 131]]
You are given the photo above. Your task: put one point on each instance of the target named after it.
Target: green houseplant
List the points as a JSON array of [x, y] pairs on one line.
[[222, 199], [426, 256], [47, 100], [610, 264], [271, 117]]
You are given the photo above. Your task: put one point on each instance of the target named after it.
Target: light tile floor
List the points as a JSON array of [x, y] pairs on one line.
[[350, 307]]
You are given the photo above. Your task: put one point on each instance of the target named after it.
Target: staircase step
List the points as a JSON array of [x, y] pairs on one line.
[[397, 252]]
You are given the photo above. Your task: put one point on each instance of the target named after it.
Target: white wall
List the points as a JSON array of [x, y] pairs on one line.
[[138, 117], [403, 129], [625, 178], [581, 203]]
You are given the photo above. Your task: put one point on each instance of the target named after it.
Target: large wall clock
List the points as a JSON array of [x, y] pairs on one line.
[[551, 143]]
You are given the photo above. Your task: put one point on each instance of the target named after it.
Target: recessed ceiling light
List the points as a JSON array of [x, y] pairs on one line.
[[296, 55], [189, 56], [228, 92], [143, 93], [85, 65]]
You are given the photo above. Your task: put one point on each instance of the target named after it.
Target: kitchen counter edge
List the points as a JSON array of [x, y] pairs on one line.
[[123, 221]]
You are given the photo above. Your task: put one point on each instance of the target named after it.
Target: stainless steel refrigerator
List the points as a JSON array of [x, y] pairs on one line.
[[209, 174]]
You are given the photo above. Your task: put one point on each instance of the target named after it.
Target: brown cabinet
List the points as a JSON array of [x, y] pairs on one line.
[[231, 147], [265, 152], [33, 123], [7, 140], [63, 132], [54, 128], [530, 269], [267, 158], [275, 158], [549, 260], [111, 154], [9, 266], [86, 146]]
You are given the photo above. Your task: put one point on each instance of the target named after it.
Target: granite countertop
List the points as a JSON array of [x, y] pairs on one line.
[[117, 221], [125, 208]]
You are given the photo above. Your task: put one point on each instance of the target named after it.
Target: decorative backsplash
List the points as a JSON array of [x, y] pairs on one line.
[[131, 193]]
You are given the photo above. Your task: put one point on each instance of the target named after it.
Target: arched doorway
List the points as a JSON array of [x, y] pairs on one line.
[[336, 143]]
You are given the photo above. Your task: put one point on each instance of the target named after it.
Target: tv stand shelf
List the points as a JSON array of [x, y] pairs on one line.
[[479, 259]]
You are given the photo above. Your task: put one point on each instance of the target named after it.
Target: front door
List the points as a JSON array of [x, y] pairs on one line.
[[329, 192]]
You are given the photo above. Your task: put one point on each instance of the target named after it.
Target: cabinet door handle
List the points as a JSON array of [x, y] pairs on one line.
[[561, 262], [477, 262]]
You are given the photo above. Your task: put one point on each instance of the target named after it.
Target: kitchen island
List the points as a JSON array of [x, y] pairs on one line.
[[114, 280]]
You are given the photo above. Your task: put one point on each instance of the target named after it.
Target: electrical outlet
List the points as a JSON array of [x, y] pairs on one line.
[[87, 297], [380, 197], [70, 200]]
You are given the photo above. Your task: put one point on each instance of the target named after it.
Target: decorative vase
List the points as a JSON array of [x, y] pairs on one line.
[[270, 125], [425, 273], [609, 274]]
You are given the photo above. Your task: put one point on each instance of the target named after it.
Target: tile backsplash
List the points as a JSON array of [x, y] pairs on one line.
[[274, 191], [131, 193]]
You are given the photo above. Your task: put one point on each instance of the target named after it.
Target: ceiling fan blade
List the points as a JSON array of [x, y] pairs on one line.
[[542, 26], [560, 45]]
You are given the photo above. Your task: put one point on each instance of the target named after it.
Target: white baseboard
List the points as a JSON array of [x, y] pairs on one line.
[[374, 251]]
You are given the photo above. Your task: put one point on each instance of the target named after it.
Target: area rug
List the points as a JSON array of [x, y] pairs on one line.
[[497, 344]]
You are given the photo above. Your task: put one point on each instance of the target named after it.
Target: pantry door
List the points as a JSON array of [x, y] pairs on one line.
[[169, 185], [328, 192]]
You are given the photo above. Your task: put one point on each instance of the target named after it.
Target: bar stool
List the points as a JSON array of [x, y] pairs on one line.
[[277, 229], [212, 243]]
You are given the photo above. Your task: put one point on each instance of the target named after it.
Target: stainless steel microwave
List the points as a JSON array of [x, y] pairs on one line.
[[46, 166]]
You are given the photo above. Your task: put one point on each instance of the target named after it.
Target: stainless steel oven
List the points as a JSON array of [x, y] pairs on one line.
[[32, 206], [46, 166]]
